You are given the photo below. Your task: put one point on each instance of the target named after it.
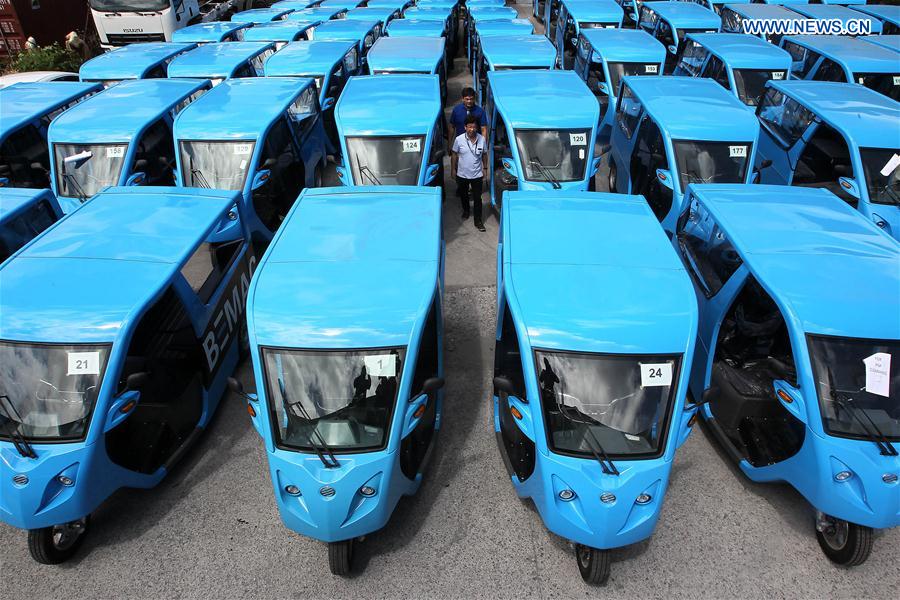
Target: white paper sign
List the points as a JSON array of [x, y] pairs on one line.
[[243, 164], [115, 151], [896, 80], [776, 75], [656, 374], [651, 68], [581, 154], [382, 365], [578, 139], [891, 165], [242, 149], [878, 374], [737, 151], [410, 145], [83, 363], [860, 80]]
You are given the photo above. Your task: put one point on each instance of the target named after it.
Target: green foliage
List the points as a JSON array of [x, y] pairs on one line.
[[47, 58]]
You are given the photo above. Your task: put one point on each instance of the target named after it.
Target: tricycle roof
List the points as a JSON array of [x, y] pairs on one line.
[[694, 108], [371, 13], [491, 12], [389, 105], [121, 112], [590, 281], [420, 54], [590, 11], [832, 11], [344, 29], [891, 42], [260, 15], [742, 51], [84, 278], [625, 45], [24, 102], [857, 55], [215, 60], [686, 15], [518, 50], [239, 109], [213, 31], [548, 92], [415, 27], [831, 268], [861, 114], [351, 268], [765, 11], [504, 27], [429, 13], [13, 200], [278, 31], [886, 12], [131, 61], [308, 58]]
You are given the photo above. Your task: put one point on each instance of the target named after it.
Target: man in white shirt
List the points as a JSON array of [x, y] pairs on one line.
[[468, 161]]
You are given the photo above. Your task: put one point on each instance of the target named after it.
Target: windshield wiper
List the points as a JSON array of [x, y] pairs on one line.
[[874, 434], [12, 427], [197, 174], [324, 453], [365, 170], [890, 190], [546, 173], [606, 464], [73, 183]]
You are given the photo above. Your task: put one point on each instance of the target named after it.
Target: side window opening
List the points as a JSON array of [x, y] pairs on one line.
[[825, 158], [155, 154], [650, 155], [157, 72], [502, 179], [629, 112], [830, 71], [208, 265], [275, 198], [752, 351], [414, 447], [711, 256], [19, 152], [507, 356], [427, 357], [518, 450], [783, 116], [715, 70]]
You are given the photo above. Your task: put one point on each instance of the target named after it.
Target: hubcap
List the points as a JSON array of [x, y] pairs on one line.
[[836, 533], [65, 535], [584, 556]]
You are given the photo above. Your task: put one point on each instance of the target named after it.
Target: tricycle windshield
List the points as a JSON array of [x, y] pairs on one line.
[[89, 168], [608, 25], [858, 382], [346, 397], [216, 165], [883, 83], [554, 154], [394, 160], [751, 83], [48, 391], [619, 401], [711, 162], [883, 189], [618, 70]]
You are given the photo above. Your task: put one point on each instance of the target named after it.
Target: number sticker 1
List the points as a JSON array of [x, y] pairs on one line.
[[656, 374], [381, 365], [83, 363]]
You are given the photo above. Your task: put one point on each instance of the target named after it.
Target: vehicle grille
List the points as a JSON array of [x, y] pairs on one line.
[[20, 479], [122, 39]]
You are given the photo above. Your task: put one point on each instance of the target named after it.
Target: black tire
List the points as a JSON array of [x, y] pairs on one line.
[[593, 564], [340, 557], [57, 544], [317, 177], [611, 177], [846, 544]]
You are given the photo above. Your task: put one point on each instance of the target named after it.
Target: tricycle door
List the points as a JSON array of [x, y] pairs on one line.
[[287, 175], [25, 158], [648, 156], [624, 132], [558, 33], [501, 148], [155, 155], [824, 158]]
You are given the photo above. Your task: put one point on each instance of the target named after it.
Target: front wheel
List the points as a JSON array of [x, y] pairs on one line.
[[611, 178], [340, 557], [57, 544], [844, 543], [593, 564]]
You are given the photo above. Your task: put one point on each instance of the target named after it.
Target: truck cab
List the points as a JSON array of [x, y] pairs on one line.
[[26, 111], [226, 60], [121, 137], [136, 61]]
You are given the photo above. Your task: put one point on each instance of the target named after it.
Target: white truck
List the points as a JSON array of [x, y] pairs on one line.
[[121, 22]]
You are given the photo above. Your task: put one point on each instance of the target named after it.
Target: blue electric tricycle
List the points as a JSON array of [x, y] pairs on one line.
[[576, 16], [109, 384], [364, 33], [510, 53], [24, 214], [261, 15], [422, 55], [590, 387], [502, 27], [281, 33], [26, 111], [796, 372], [843, 14], [670, 22], [348, 420], [734, 16], [211, 32], [147, 60], [888, 14], [227, 60]]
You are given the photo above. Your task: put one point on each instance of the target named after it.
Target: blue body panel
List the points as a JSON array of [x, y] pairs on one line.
[[407, 54], [134, 61], [672, 104], [218, 61], [280, 32], [382, 14], [261, 15], [246, 110], [364, 33], [888, 14], [120, 115], [794, 242], [24, 214], [114, 257], [329, 238], [509, 52], [616, 241], [861, 116], [416, 28], [26, 103], [842, 13], [211, 32], [853, 55], [891, 42]]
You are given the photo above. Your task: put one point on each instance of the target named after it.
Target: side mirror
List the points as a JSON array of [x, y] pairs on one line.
[[664, 177], [237, 389], [4, 182], [672, 49], [595, 166], [136, 178], [765, 163], [510, 166], [504, 385], [432, 385], [603, 87], [431, 173], [328, 103], [136, 381], [342, 175], [260, 179], [849, 185], [440, 154]]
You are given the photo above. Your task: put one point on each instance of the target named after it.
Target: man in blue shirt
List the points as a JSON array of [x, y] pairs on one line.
[[459, 114]]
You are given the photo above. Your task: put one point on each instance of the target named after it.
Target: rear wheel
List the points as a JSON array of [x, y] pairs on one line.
[[611, 181], [593, 564], [340, 557], [57, 544], [844, 543]]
